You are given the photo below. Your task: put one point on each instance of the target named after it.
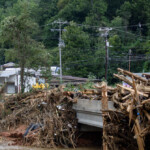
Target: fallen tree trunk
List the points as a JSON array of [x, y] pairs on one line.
[[125, 72]]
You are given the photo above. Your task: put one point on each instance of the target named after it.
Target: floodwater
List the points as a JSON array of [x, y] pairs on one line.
[[4, 147]]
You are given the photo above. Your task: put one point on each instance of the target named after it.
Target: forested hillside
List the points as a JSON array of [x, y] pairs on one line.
[[27, 24]]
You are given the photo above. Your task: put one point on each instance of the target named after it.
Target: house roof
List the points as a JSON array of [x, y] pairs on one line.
[[12, 71], [10, 64], [7, 73]]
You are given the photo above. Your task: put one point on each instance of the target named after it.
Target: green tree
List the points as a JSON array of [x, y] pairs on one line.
[[96, 16], [18, 31], [77, 51], [46, 10], [74, 10], [62, 3], [123, 16], [112, 7], [2, 56]]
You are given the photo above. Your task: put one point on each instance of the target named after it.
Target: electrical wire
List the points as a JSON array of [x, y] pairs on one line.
[[112, 58], [98, 63], [129, 33], [89, 26]]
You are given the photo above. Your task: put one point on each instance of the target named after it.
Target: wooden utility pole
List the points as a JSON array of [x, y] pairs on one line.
[[106, 58], [104, 107], [61, 43], [130, 59], [105, 35]]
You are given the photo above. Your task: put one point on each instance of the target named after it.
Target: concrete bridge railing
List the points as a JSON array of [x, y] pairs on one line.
[[89, 112]]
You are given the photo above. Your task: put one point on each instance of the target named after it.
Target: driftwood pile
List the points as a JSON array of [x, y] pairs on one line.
[[51, 113], [95, 93], [128, 127]]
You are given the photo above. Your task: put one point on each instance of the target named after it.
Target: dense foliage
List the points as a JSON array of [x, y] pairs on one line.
[[84, 51]]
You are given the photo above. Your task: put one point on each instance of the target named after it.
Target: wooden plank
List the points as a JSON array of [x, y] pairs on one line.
[[104, 107], [137, 127], [137, 132]]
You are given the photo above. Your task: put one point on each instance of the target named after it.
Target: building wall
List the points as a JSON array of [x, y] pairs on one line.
[[2, 80], [29, 81], [12, 79], [11, 88]]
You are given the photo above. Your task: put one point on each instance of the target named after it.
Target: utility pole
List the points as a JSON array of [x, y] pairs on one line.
[[60, 61], [140, 29], [130, 52], [92, 3], [61, 43], [106, 58], [105, 35]]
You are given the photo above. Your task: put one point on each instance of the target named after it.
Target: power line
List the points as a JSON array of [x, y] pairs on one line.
[[114, 53], [130, 33], [111, 58], [98, 63], [127, 37], [137, 25], [89, 26]]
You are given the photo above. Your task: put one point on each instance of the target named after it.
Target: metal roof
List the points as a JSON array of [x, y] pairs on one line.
[[10, 64], [12, 71], [7, 73]]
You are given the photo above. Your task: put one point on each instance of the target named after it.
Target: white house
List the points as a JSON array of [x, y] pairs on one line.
[[10, 77], [54, 70]]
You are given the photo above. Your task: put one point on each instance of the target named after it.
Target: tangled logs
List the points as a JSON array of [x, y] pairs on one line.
[[51, 110], [129, 126]]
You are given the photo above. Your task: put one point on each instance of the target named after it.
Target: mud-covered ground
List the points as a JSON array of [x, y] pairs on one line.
[[86, 141], [4, 147]]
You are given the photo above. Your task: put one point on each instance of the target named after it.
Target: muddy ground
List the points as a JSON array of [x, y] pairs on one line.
[[13, 140]]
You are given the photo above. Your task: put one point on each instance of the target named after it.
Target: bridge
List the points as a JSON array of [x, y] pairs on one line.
[[89, 112]]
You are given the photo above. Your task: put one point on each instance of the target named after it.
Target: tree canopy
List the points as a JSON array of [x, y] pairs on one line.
[[84, 51], [17, 33]]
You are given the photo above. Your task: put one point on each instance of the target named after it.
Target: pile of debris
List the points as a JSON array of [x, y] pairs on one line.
[[128, 127], [93, 94], [49, 116], [51, 121]]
